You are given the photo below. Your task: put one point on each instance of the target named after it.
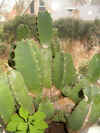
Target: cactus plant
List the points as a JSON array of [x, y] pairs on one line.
[[37, 69], [40, 69]]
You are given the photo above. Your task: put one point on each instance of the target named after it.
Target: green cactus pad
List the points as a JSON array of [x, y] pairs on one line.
[[20, 91], [48, 108], [6, 99], [55, 46], [94, 68], [58, 69], [44, 27], [46, 60], [69, 76], [72, 93], [76, 119], [26, 59], [95, 111]]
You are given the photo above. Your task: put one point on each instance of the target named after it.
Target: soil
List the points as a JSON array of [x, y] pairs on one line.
[[6, 54], [55, 127]]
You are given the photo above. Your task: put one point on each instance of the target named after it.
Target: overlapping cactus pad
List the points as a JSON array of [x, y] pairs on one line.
[[40, 70], [13, 91]]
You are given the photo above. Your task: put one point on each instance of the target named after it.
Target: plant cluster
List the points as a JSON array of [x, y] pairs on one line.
[[20, 27], [41, 65], [74, 29]]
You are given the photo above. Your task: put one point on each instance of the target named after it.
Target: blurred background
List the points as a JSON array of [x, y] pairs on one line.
[[81, 9]]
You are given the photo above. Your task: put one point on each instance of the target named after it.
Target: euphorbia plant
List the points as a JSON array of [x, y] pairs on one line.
[[26, 123]]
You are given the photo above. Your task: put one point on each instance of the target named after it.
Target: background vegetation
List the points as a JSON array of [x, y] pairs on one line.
[[23, 27], [12, 28], [69, 28]]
